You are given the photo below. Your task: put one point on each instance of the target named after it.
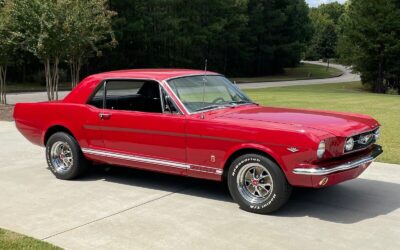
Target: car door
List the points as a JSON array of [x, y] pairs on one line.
[[138, 131]]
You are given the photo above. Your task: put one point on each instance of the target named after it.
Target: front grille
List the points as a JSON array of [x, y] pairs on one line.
[[363, 140]]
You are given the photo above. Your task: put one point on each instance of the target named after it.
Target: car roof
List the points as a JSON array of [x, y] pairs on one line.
[[85, 88], [155, 74]]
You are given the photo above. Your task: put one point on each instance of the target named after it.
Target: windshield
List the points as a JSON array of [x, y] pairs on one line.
[[207, 92]]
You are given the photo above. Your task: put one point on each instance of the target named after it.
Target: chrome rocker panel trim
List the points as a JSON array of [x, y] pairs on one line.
[[343, 167], [142, 159]]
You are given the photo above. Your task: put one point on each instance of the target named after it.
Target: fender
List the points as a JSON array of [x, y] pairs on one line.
[[255, 146]]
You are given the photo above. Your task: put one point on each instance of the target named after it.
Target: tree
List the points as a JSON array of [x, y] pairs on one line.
[[6, 49], [324, 21], [86, 32], [38, 26], [369, 40], [326, 42], [238, 37], [277, 34], [178, 33]]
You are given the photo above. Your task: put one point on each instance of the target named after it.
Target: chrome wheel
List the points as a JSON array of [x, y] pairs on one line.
[[254, 183], [61, 157]]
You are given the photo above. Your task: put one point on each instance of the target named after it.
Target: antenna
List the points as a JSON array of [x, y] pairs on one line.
[[204, 81]]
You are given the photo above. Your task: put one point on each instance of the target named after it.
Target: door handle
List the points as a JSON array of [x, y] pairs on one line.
[[104, 116]]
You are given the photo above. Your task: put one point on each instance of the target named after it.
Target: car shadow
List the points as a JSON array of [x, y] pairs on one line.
[[346, 203]]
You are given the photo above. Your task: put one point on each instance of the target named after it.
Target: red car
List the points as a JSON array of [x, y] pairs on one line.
[[198, 124]]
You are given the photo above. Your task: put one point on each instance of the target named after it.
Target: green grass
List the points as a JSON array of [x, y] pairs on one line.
[[11, 240], [347, 97], [303, 71]]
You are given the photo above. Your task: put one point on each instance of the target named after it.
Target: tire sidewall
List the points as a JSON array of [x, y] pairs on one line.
[[279, 192], [64, 137]]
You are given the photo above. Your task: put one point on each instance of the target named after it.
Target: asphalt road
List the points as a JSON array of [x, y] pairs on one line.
[[118, 208], [347, 76]]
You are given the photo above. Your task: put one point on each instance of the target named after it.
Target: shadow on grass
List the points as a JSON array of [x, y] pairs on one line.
[[347, 203]]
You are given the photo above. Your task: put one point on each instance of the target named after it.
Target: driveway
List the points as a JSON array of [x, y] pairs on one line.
[[118, 208], [347, 76]]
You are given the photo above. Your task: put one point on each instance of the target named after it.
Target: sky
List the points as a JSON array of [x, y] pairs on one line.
[[315, 3]]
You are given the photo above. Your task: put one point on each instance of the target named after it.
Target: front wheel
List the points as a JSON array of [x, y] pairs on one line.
[[64, 156], [258, 184]]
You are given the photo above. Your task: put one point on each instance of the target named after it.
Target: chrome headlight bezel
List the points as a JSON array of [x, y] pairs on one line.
[[349, 144], [321, 149], [377, 133]]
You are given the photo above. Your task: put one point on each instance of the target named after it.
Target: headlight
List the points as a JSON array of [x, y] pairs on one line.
[[321, 149], [349, 145], [377, 134]]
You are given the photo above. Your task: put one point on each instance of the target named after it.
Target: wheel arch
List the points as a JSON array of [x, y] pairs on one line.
[[250, 149], [54, 129]]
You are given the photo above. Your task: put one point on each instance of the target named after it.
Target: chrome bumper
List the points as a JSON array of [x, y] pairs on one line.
[[342, 167]]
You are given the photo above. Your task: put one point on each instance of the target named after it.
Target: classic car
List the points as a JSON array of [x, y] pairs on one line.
[[198, 124]]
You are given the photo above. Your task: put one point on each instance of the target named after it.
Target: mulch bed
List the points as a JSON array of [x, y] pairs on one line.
[[6, 112]]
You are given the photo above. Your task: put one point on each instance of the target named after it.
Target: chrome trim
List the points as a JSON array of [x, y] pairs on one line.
[[176, 97], [343, 167], [135, 158], [104, 83], [208, 73], [359, 133], [142, 159]]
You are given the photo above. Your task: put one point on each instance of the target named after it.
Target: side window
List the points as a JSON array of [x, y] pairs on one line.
[[97, 99], [133, 95]]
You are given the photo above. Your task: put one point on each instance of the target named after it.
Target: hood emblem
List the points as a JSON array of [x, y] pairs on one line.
[[293, 149]]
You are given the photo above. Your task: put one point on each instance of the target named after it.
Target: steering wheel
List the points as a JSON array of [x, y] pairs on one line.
[[218, 100]]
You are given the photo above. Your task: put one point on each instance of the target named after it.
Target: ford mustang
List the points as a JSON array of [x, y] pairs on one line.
[[199, 124]]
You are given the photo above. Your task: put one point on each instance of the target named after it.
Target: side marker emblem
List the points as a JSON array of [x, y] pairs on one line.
[[293, 149]]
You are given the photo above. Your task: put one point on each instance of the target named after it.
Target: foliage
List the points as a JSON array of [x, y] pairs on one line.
[[65, 29], [324, 21], [6, 49], [38, 27], [370, 42], [238, 37], [277, 33], [87, 32]]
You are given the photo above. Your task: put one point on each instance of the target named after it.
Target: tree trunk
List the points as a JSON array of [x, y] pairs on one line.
[[327, 66], [3, 76], [379, 87], [52, 78], [75, 67]]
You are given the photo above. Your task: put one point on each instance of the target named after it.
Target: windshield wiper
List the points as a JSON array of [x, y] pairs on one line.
[[241, 102], [214, 106], [208, 107]]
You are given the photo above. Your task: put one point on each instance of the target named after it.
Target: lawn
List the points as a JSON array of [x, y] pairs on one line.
[[348, 97], [303, 71], [11, 240]]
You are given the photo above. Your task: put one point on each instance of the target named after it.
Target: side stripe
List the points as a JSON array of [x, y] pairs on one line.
[[142, 159]]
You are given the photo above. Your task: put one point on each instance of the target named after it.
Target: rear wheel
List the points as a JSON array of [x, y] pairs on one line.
[[64, 156], [258, 184]]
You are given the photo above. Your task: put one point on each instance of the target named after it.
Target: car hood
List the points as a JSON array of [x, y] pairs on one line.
[[336, 123]]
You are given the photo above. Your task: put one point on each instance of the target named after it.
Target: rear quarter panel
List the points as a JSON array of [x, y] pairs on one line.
[[34, 119]]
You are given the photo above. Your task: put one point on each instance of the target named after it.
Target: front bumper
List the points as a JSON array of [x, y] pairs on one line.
[[336, 172]]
